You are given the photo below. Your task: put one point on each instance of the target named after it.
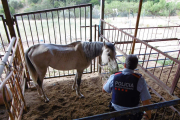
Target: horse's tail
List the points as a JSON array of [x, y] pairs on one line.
[[30, 66]]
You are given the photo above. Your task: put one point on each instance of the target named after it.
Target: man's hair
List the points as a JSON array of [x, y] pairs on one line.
[[131, 62]]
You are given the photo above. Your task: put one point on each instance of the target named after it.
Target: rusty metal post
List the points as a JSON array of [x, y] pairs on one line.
[[9, 20], [137, 24], [175, 81], [101, 28]]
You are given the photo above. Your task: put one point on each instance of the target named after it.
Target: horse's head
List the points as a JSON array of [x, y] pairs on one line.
[[109, 56]]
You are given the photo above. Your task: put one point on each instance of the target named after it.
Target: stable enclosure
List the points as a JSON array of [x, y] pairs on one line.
[[157, 62]]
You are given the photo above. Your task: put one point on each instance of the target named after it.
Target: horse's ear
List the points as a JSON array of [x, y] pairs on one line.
[[104, 44]]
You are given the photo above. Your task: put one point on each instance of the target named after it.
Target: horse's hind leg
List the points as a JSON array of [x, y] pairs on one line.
[[41, 91], [79, 73], [74, 84]]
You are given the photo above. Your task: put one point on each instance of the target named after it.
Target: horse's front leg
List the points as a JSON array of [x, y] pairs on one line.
[[75, 79], [78, 84]]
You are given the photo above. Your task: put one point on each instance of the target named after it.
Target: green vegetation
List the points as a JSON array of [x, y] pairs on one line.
[[166, 62], [122, 8]]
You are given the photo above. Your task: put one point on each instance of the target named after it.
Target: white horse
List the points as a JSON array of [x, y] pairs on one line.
[[77, 55]]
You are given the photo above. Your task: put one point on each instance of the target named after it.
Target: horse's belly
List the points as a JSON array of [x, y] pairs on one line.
[[64, 66]]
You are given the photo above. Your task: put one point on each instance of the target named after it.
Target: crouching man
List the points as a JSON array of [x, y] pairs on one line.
[[128, 89]]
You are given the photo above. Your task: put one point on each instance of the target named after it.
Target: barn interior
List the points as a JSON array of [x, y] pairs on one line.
[[157, 48]]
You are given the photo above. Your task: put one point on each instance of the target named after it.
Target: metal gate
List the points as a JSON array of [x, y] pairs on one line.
[[56, 26]]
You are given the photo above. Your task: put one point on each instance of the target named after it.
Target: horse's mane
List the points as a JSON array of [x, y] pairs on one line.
[[94, 49]]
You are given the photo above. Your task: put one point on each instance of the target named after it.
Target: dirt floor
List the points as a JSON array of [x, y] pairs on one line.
[[65, 105]]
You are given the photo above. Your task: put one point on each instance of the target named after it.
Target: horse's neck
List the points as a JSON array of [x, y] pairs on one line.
[[92, 49]]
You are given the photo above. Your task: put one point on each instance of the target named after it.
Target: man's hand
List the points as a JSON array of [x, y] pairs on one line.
[[145, 117], [148, 113]]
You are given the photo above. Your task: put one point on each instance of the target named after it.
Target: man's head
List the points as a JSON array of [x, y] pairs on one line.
[[131, 62]]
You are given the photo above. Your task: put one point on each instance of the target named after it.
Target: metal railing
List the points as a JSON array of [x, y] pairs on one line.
[[4, 36], [12, 83], [56, 26], [135, 110], [145, 53]]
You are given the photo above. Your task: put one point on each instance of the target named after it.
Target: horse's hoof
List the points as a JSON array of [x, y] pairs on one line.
[[46, 101], [73, 88], [82, 96]]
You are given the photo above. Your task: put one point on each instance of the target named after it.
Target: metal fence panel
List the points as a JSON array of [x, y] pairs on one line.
[[56, 26]]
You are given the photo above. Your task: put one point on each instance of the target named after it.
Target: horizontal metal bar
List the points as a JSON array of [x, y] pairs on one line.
[[153, 40], [131, 110], [152, 53], [138, 40], [174, 109], [66, 75], [144, 28], [55, 9]]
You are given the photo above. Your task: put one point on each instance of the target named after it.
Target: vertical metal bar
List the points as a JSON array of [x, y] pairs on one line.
[[91, 22], [144, 56], [48, 28], [30, 29], [148, 58], [163, 33], [175, 32], [139, 33], [53, 27], [172, 32], [80, 23], [108, 32], [70, 25], [168, 32], [147, 34], [75, 27], [127, 45], [169, 72], [25, 31], [95, 41], [112, 33], [64, 27], [163, 113], [5, 28], [140, 50], [2, 42], [174, 113], [131, 46], [85, 24], [42, 28], [17, 27], [102, 18], [98, 59], [137, 24], [59, 27], [121, 40], [156, 32], [162, 68], [176, 79], [36, 27], [143, 34], [49, 38], [156, 62], [152, 33], [155, 114]]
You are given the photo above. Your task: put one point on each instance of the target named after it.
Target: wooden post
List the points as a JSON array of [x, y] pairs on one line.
[[9, 20], [137, 24]]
